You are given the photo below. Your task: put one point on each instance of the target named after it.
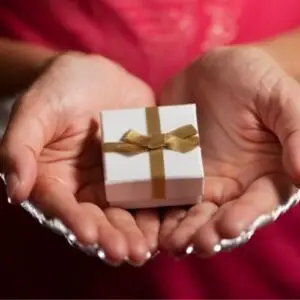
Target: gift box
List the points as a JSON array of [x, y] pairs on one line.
[[152, 157]]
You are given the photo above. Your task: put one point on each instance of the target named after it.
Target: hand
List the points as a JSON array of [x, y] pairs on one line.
[[51, 153], [249, 112]]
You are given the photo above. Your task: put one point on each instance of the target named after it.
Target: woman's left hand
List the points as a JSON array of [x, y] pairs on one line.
[[249, 122]]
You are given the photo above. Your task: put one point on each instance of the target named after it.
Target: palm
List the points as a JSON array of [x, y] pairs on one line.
[[75, 161], [238, 150], [242, 158]]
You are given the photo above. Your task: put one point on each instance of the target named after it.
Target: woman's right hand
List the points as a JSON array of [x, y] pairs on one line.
[[51, 153]]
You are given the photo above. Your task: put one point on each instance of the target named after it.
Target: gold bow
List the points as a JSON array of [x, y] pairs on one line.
[[183, 139]]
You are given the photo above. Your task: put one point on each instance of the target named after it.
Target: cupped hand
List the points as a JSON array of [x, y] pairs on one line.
[[249, 122], [52, 154]]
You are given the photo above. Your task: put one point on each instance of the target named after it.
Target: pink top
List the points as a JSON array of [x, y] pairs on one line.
[[153, 39]]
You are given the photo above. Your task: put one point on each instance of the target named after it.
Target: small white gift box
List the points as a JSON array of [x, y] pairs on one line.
[[152, 157]]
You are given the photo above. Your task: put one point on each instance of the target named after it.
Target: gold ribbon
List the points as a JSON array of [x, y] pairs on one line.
[[183, 139]]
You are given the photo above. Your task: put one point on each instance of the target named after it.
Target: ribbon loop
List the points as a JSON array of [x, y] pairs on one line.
[[184, 132], [183, 139]]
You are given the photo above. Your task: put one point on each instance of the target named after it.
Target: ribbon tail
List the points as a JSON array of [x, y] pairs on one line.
[[135, 138], [184, 132], [122, 148], [182, 145]]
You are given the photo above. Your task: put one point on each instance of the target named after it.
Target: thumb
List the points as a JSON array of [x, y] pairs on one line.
[[21, 145], [282, 116]]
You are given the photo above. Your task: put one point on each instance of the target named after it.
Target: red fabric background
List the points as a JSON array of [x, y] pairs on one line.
[[151, 38], [35, 263]]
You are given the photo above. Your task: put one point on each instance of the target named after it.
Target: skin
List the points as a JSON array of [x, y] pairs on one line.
[[59, 164], [249, 129], [249, 132]]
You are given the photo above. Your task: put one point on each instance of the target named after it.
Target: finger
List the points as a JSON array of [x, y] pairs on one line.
[[291, 159], [261, 198], [22, 144], [110, 239], [204, 241], [148, 222], [281, 113], [235, 217], [122, 220], [53, 198], [171, 221], [197, 216]]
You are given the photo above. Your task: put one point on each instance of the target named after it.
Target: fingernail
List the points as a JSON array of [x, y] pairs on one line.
[[148, 255], [135, 264], [111, 263], [139, 264], [101, 254], [181, 255], [189, 249], [217, 248], [12, 183], [155, 254]]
